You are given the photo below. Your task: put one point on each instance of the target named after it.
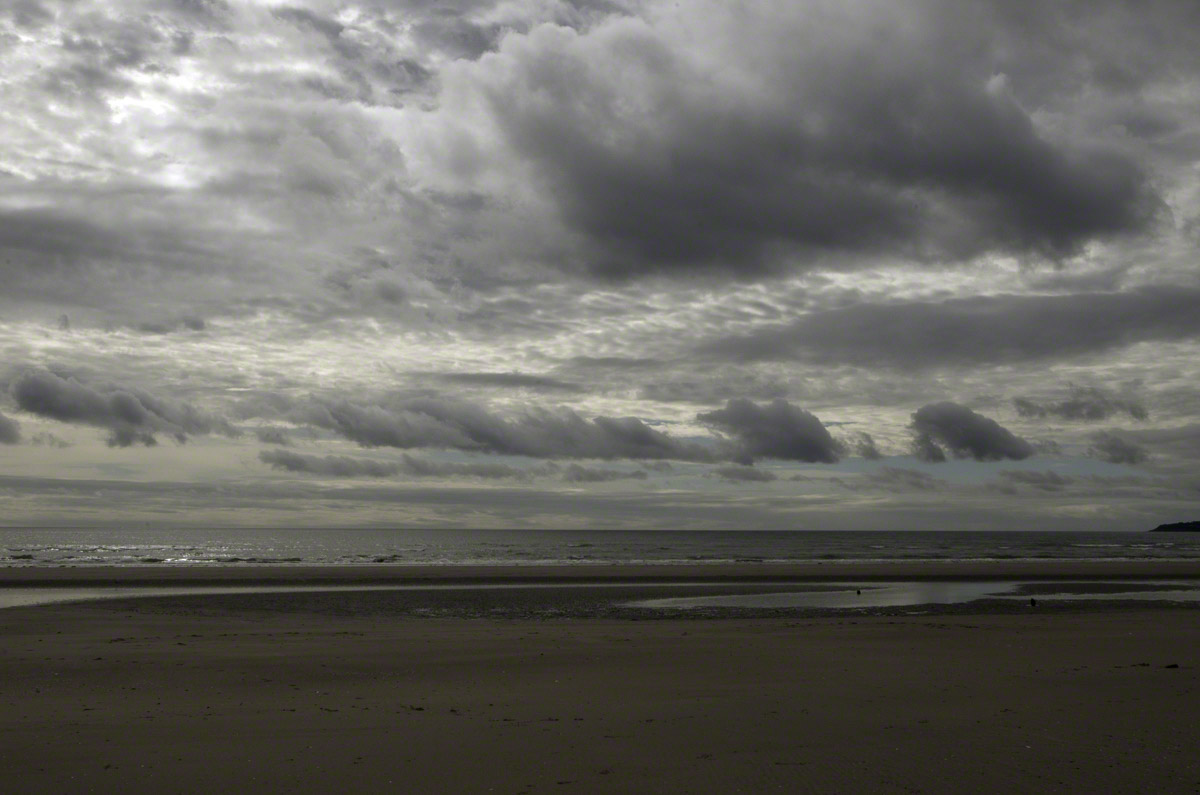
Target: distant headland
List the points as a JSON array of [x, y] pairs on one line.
[[1178, 527]]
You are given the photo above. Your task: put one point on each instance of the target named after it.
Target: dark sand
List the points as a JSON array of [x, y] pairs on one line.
[[226, 694]]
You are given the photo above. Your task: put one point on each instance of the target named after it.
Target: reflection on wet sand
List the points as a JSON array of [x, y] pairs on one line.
[[908, 594]]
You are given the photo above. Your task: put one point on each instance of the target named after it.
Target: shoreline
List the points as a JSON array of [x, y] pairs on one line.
[[470, 574], [626, 593]]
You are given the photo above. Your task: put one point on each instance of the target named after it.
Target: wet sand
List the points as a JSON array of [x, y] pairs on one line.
[[398, 574], [196, 695]]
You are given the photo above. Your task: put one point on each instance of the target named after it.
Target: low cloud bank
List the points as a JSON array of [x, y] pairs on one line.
[[131, 416], [537, 433], [348, 467], [741, 473], [580, 474]]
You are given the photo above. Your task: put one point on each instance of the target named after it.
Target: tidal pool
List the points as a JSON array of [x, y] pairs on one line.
[[909, 594]]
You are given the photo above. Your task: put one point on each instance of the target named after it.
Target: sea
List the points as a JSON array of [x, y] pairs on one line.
[[142, 546]]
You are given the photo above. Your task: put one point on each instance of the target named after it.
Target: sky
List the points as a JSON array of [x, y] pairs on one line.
[[853, 265]]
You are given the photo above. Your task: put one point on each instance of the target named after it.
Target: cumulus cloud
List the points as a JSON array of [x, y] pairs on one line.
[[131, 416], [1085, 404], [741, 473], [1116, 449], [946, 426], [835, 132], [10, 430], [775, 430], [960, 332], [538, 433]]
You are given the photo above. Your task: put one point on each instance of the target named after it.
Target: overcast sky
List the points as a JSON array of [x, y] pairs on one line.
[[906, 264]]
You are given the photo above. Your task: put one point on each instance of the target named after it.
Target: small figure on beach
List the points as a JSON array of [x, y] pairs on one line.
[[1032, 602]]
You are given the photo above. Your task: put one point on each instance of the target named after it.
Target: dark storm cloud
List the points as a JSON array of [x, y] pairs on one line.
[[515, 380], [377, 426], [775, 430], [1115, 449], [386, 204], [858, 141], [131, 416], [740, 473], [1084, 404], [941, 427], [574, 473], [538, 433], [10, 430], [971, 331], [347, 467]]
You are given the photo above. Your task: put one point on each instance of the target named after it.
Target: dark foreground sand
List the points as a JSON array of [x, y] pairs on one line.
[[124, 697]]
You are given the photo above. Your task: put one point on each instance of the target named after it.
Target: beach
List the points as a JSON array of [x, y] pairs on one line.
[[236, 693]]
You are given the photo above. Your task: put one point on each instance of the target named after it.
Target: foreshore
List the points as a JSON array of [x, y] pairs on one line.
[[16, 576], [311, 694]]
